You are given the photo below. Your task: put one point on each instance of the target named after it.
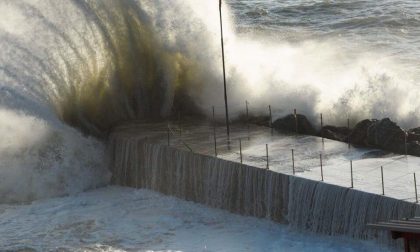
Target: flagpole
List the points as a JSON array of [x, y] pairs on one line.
[[224, 72]]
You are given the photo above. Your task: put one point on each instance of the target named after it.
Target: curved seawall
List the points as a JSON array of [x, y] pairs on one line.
[[303, 204]]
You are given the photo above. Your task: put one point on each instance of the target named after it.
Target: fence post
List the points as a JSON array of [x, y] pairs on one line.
[[382, 177], [271, 118], [405, 143], [351, 173], [137, 176], [415, 188], [247, 118], [214, 134], [266, 154], [127, 149], [179, 123], [322, 172], [348, 127], [296, 120], [293, 161], [240, 149], [322, 126], [169, 141]]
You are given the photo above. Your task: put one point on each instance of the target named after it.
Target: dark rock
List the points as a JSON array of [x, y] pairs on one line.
[[413, 148], [358, 135], [387, 135], [335, 133], [415, 131], [288, 123], [413, 135]]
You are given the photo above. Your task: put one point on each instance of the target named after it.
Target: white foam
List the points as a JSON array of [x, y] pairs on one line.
[[122, 219]]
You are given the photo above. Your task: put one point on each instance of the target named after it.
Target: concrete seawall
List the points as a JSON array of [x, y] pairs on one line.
[[303, 204]]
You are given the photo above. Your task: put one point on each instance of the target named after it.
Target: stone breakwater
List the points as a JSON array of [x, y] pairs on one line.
[[383, 134], [301, 203]]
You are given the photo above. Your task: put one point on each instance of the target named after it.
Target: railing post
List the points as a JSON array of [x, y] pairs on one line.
[[137, 176], [382, 178], [127, 149], [322, 126], [351, 173], [179, 123], [348, 127], [415, 188], [405, 143], [296, 120], [271, 118], [247, 118], [240, 149], [293, 161], [266, 154], [322, 172], [214, 134], [169, 140]]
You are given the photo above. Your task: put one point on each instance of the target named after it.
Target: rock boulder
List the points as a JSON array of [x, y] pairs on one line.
[[335, 133], [289, 123]]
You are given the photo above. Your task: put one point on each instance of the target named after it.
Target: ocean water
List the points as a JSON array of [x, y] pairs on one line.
[[72, 70], [116, 219], [360, 56]]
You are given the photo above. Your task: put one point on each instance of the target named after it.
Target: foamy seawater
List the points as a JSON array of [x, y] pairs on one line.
[[389, 26], [360, 57], [122, 219]]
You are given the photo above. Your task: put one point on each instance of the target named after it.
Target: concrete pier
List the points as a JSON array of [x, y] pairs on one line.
[[302, 203]]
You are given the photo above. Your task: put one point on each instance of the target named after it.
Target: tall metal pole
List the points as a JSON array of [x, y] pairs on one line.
[[224, 72]]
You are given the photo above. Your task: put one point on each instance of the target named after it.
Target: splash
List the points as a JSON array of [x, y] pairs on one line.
[[91, 65]]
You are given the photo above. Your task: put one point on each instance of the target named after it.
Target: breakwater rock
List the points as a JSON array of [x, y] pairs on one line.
[[292, 123], [383, 134]]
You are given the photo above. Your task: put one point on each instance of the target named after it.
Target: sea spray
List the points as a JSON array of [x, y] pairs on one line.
[[94, 64], [41, 159]]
